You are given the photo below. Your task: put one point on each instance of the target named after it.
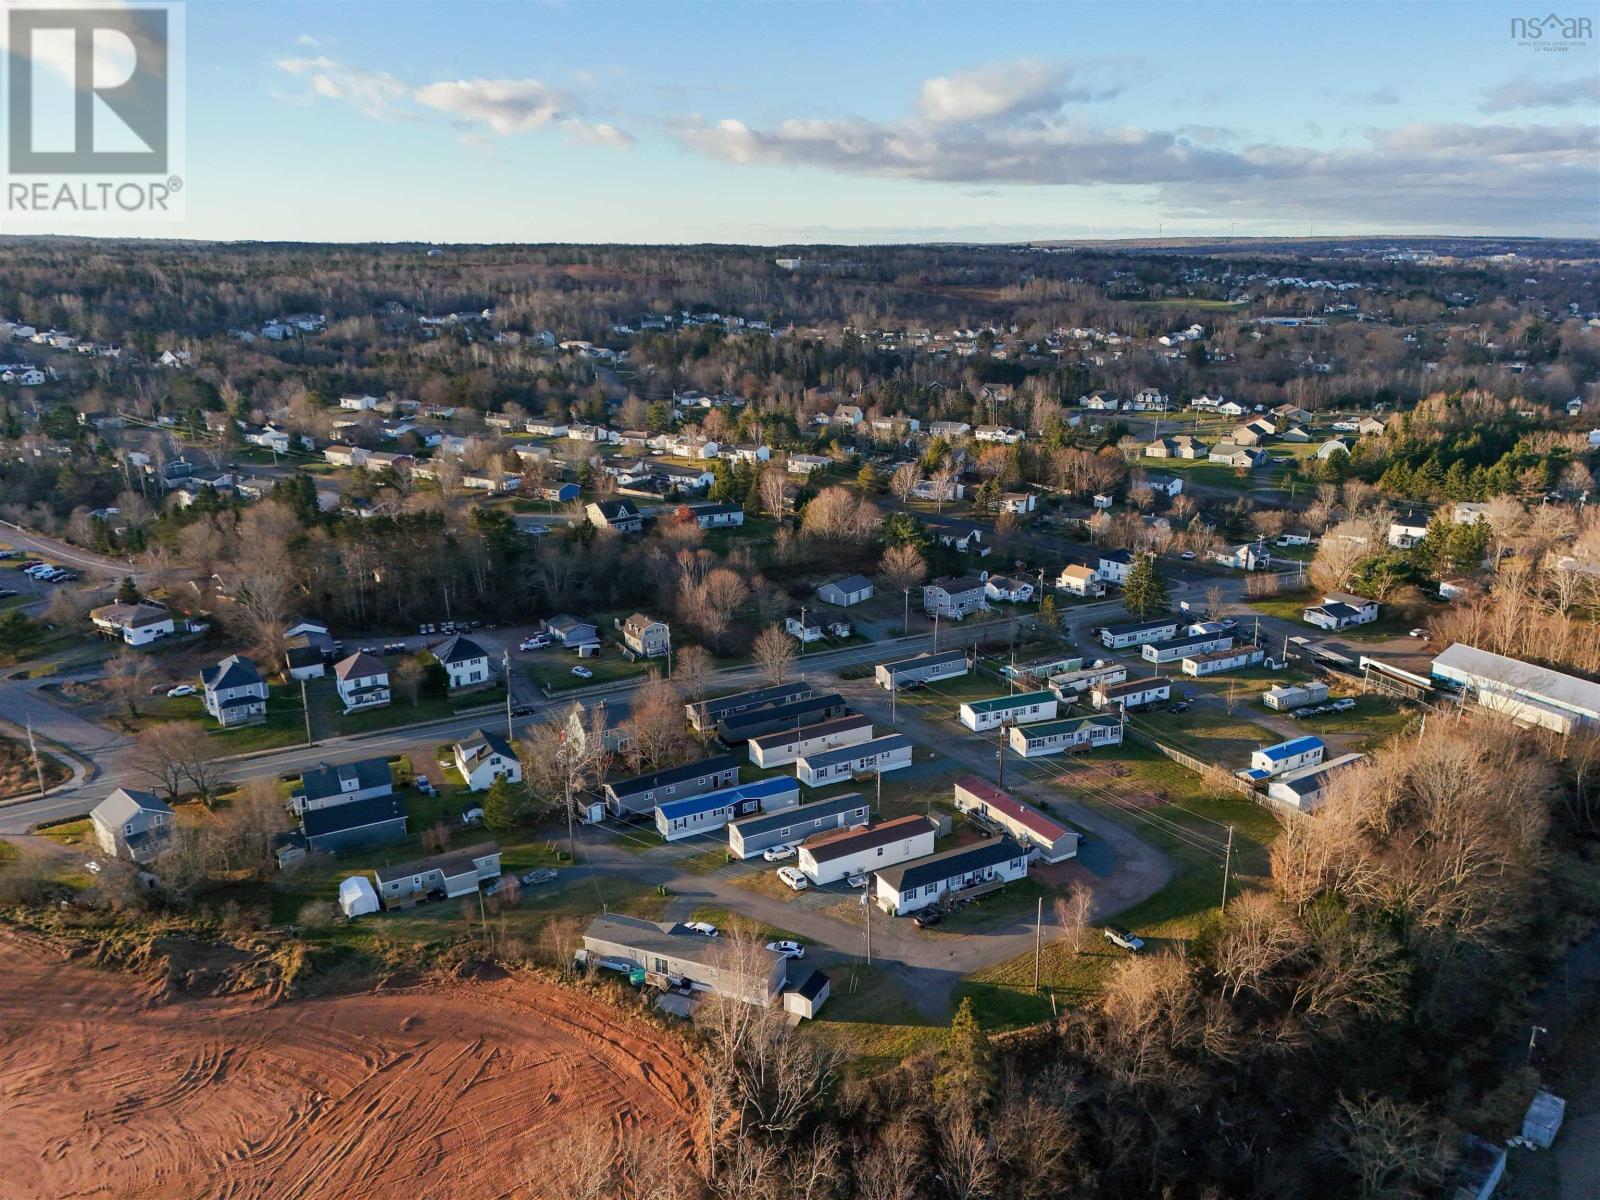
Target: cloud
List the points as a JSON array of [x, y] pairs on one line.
[[505, 106], [1543, 93], [1004, 89], [599, 133], [374, 94], [988, 128]]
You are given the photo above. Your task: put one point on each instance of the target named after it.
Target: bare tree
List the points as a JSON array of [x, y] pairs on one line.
[[1072, 914], [405, 677], [774, 491], [893, 1167], [1391, 1147], [970, 1172], [904, 481], [127, 674], [774, 652], [902, 567], [657, 723], [1216, 600]]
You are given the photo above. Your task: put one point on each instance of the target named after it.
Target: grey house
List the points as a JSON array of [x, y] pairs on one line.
[[325, 786], [571, 631], [852, 589], [457, 873], [672, 952], [646, 636], [235, 693], [741, 727], [641, 793], [132, 825], [955, 598], [376, 821], [705, 715], [749, 836], [921, 668]]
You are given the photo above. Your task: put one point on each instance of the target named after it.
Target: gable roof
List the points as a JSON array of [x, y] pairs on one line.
[[1028, 817], [360, 665], [125, 803], [787, 818], [633, 786], [451, 863], [949, 863], [844, 842], [358, 814], [458, 649], [484, 743], [231, 672], [850, 583], [327, 780]]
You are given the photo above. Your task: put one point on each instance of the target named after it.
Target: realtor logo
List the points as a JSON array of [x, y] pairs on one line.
[[93, 100]]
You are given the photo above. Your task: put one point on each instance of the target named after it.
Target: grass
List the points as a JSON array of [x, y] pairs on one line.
[[1291, 606], [1379, 717], [1216, 739], [870, 1020], [69, 833], [552, 671], [403, 712], [8, 852]]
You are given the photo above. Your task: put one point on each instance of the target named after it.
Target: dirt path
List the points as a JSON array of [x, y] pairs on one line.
[[443, 1091]]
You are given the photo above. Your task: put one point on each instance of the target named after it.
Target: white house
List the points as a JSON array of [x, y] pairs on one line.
[[1003, 435], [1288, 756], [136, 624], [1134, 693], [1137, 633], [1080, 580], [485, 757], [1116, 565], [982, 715], [1405, 534], [362, 681], [830, 857], [1066, 734], [965, 871], [466, 662], [789, 745], [880, 755], [1050, 840], [1249, 556], [805, 464], [1339, 610], [1004, 587]]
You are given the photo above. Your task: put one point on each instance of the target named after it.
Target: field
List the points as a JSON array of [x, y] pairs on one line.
[[114, 1091], [17, 776]]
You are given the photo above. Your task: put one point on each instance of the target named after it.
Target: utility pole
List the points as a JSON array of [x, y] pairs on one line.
[[894, 694], [1038, 927], [936, 631], [866, 899], [1533, 1036], [1004, 728], [38, 767], [1227, 864], [877, 806], [306, 709], [802, 630], [905, 629], [505, 665]]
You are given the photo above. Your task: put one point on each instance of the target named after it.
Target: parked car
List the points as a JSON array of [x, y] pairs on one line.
[[496, 886], [583, 672], [1187, 555], [1118, 936], [858, 880], [777, 853], [539, 875], [788, 949], [1228, 623], [5, 592], [522, 710], [1344, 705], [425, 786], [183, 689], [704, 928], [92, 867], [1418, 633], [791, 876], [537, 642], [424, 630], [1181, 706], [928, 916]]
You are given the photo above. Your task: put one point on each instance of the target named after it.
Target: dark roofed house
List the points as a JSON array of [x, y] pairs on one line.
[[672, 952], [456, 873], [324, 786], [235, 693], [466, 662], [642, 793], [967, 870], [376, 821], [620, 515]]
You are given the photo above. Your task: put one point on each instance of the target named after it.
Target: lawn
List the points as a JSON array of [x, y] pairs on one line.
[[70, 833], [870, 1020], [552, 670], [1378, 717], [403, 712], [1291, 606], [1207, 734], [285, 724]]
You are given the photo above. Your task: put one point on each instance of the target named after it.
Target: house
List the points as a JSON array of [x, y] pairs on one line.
[[880, 755], [1289, 414], [955, 598], [355, 403], [1329, 448], [1011, 591], [1134, 693], [1467, 512], [546, 427], [621, 515], [1232, 454], [1254, 433], [939, 489], [678, 819], [1018, 502], [848, 414], [705, 714], [1102, 501], [741, 727], [305, 658], [1305, 789], [1164, 485], [1285, 697], [1002, 435], [1137, 633], [1000, 811], [670, 954], [805, 464], [1340, 610], [572, 632], [1115, 566], [132, 825], [1080, 580], [485, 757], [1370, 426], [830, 857], [1099, 402], [949, 430], [1066, 734], [1249, 556], [972, 870], [805, 628], [1528, 694], [642, 793], [921, 668], [852, 589], [1070, 685], [788, 745], [559, 493], [458, 873], [717, 516], [1019, 709], [362, 681], [646, 636], [325, 786], [136, 624], [959, 535], [375, 821], [1405, 534], [749, 836], [1295, 434], [466, 662], [1037, 670], [1173, 649], [235, 693], [1288, 756], [1217, 661], [1180, 445]]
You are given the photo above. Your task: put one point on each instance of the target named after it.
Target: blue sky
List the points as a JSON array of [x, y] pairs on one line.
[[764, 122]]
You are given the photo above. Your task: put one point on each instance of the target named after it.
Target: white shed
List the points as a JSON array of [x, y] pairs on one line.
[[357, 897]]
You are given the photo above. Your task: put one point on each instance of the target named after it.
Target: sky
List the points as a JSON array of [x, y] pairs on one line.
[[783, 123]]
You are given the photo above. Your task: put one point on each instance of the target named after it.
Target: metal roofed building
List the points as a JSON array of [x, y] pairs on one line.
[[1288, 756], [888, 753], [678, 819], [1067, 733], [967, 870], [749, 836], [1526, 693], [1052, 841], [921, 668], [1024, 707], [836, 856]]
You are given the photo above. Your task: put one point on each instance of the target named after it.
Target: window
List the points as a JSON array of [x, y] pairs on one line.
[[880, 851], [784, 832]]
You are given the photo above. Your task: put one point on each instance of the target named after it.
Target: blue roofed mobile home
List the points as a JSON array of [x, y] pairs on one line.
[[700, 814], [1288, 756]]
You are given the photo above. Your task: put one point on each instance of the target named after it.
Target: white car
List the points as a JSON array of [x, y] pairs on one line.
[[777, 853], [704, 928], [787, 949], [583, 672], [1187, 555], [537, 642], [92, 867], [183, 689], [858, 880], [1419, 633], [791, 876]]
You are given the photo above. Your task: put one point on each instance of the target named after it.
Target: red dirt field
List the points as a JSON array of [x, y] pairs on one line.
[[438, 1091]]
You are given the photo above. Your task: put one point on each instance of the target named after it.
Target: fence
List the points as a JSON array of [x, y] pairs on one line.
[[1198, 765]]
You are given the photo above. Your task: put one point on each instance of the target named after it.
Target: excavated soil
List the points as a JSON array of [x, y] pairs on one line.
[[108, 1089]]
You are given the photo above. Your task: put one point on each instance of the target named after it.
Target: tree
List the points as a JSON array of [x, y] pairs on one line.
[[902, 567], [1145, 593], [904, 481], [128, 591], [406, 679], [691, 671], [502, 806], [774, 652], [656, 720], [1215, 600], [966, 1065], [175, 757], [867, 479], [1072, 914], [1049, 613], [127, 673]]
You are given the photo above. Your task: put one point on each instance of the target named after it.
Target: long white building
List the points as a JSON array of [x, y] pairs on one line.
[[789, 745], [1529, 694], [878, 756], [830, 857], [1024, 707]]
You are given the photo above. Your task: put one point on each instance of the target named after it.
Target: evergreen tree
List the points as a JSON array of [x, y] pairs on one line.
[[1049, 617], [967, 1068], [1145, 592], [502, 806], [867, 479], [128, 591]]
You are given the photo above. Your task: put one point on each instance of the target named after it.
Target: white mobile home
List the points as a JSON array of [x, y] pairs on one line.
[[1073, 684], [1069, 733], [1024, 707], [965, 871], [878, 756], [1135, 693], [1306, 788], [835, 856], [1137, 633], [749, 836], [1288, 756], [1218, 661], [789, 745], [1052, 841], [1178, 648], [1285, 697], [678, 819]]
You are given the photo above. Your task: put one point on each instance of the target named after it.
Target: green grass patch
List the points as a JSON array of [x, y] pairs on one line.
[[870, 1020], [70, 833], [8, 852], [1377, 717], [552, 669]]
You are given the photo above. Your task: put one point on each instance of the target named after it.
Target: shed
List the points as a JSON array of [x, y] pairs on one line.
[[357, 897], [852, 589], [805, 998], [1543, 1119]]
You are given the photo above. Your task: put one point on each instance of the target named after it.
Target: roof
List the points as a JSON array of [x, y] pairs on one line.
[[1079, 571], [923, 660], [1133, 685], [1141, 626], [1001, 703], [124, 803], [1292, 747], [966, 583], [1567, 691], [566, 623], [666, 940], [794, 709], [1336, 610], [1310, 780], [616, 510], [324, 780], [1347, 598], [881, 745], [784, 737], [850, 583], [948, 863], [842, 843], [694, 770], [1197, 639], [375, 810], [231, 672], [639, 623], [811, 986], [360, 665], [455, 862], [483, 743], [1046, 729], [458, 649], [766, 822], [758, 696], [761, 789], [1007, 805], [131, 616]]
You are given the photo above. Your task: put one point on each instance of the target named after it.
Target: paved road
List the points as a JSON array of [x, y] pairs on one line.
[[61, 552]]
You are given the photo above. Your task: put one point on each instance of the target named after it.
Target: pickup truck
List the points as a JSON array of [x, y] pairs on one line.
[[539, 875]]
